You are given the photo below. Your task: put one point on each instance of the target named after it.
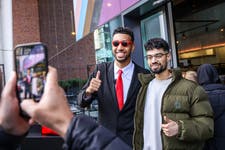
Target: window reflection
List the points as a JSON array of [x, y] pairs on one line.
[[102, 41]]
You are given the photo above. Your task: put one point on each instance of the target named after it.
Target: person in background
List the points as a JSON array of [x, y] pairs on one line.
[[171, 112], [37, 86], [208, 78], [190, 75], [27, 83], [78, 132], [115, 113]]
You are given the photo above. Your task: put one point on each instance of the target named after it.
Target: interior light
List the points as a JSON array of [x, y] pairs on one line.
[[109, 4], [203, 47]]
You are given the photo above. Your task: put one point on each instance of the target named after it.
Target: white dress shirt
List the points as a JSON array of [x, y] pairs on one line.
[[126, 76]]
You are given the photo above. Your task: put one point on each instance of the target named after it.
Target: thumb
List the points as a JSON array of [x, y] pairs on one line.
[[28, 106], [167, 120], [98, 75]]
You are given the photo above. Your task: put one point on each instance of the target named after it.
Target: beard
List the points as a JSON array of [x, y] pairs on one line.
[[124, 59], [159, 70]]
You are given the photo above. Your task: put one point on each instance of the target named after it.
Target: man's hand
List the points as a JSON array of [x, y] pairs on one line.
[[10, 119], [53, 109], [94, 84], [170, 128]]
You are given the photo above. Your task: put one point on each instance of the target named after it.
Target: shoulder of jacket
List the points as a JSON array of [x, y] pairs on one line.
[[145, 78]]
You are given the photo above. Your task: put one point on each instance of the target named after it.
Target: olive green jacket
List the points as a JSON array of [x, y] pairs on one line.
[[184, 102]]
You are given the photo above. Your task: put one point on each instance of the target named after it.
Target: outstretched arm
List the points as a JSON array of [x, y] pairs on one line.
[[80, 132]]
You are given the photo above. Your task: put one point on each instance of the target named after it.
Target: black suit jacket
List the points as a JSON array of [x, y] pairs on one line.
[[119, 122]]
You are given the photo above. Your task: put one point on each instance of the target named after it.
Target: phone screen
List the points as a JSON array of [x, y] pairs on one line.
[[31, 68]]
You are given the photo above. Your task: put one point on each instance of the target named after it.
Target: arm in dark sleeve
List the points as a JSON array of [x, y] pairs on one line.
[[83, 100], [85, 133], [8, 141]]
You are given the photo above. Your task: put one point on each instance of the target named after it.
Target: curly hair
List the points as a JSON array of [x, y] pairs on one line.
[[124, 30], [156, 43]]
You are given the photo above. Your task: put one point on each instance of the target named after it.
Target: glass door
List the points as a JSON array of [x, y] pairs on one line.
[[153, 26], [160, 24]]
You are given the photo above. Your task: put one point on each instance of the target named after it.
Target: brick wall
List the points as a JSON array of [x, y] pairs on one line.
[[71, 58], [25, 21]]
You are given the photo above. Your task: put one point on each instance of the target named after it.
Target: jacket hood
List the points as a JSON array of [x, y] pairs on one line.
[[207, 74]]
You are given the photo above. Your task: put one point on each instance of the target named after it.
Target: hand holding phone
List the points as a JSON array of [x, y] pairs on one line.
[[31, 68]]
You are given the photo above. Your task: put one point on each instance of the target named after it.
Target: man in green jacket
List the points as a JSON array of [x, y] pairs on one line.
[[171, 112]]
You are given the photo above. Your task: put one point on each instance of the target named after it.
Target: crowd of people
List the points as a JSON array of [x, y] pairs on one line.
[[207, 77], [138, 109]]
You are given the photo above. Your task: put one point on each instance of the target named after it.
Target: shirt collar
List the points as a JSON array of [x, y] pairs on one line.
[[125, 69]]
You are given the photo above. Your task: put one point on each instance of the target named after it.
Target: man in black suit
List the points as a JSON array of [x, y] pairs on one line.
[[101, 86], [27, 82]]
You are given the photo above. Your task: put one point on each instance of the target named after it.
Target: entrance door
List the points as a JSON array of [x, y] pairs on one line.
[[160, 24], [150, 19], [153, 26]]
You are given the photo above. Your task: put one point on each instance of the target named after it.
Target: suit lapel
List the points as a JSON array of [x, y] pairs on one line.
[[112, 83], [133, 84]]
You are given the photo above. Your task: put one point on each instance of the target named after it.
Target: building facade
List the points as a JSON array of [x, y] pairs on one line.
[[51, 22], [194, 29], [78, 32]]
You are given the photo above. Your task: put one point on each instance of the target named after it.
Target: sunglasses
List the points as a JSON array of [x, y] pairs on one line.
[[123, 43]]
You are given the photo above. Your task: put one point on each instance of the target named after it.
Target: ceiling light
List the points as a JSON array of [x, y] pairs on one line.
[[109, 4]]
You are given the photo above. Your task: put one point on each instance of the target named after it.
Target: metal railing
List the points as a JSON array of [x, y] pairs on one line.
[[91, 111]]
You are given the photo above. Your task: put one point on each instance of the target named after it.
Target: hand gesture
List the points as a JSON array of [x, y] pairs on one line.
[[170, 128], [10, 119], [94, 84]]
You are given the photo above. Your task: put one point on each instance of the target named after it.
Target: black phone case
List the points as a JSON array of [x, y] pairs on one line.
[[30, 59]]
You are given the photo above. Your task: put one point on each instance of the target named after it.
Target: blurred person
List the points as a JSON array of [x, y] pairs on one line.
[[27, 83], [191, 75], [37, 86], [171, 112], [20, 85], [208, 78], [115, 113], [222, 79], [80, 132]]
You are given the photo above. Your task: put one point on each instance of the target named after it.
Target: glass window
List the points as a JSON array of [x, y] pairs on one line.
[[102, 40], [151, 27]]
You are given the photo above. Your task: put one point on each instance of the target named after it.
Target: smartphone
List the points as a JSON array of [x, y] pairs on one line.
[[31, 65]]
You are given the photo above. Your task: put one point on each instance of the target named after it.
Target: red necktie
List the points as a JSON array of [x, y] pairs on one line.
[[119, 89]]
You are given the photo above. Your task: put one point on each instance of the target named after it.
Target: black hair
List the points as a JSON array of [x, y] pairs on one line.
[[156, 43], [124, 30]]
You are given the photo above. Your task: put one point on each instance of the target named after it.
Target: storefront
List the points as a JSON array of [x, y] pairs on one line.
[[194, 30], [147, 19], [200, 35]]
